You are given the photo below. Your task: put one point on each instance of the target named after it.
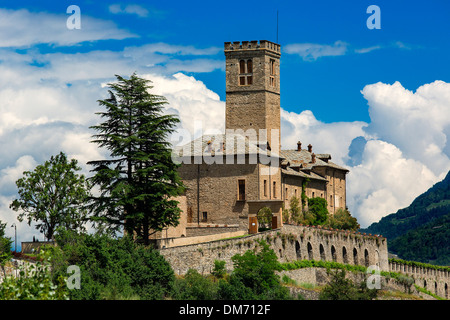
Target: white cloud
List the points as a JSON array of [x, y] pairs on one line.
[[22, 28], [385, 181], [197, 107], [129, 9], [334, 138], [313, 51], [416, 122], [401, 153]]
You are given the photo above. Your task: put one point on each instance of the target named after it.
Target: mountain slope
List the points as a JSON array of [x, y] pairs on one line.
[[421, 231]]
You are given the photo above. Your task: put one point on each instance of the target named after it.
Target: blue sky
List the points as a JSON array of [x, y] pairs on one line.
[[378, 100], [411, 47]]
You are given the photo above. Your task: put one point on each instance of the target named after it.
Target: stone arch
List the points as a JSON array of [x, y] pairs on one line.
[[366, 258], [322, 253], [445, 291], [355, 256], [333, 253], [310, 251], [298, 250], [425, 284], [377, 258], [435, 288], [344, 255]]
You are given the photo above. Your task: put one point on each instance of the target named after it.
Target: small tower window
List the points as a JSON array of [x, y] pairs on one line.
[[272, 72], [245, 72], [249, 66], [242, 66]]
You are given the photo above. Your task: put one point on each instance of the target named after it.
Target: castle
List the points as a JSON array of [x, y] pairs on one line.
[[231, 176]]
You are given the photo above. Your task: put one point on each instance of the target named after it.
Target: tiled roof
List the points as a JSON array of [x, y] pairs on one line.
[[217, 144], [310, 175], [303, 159]]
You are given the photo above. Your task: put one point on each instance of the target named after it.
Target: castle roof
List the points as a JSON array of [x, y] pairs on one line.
[[225, 144], [310, 175], [303, 159]]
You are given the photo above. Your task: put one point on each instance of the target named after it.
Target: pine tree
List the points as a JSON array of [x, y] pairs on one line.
[[137, 184]]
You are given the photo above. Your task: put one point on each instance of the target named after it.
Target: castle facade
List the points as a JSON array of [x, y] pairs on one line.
[[231, 176]]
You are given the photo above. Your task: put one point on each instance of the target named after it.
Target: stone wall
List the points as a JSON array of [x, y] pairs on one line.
[[290, 243], [434, 279]]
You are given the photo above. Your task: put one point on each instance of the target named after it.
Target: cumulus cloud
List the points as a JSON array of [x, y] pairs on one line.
[[334, 138], [398, 155], [385, 181]]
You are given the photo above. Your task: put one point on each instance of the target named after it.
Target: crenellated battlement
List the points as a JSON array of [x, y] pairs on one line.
[[252, 45]]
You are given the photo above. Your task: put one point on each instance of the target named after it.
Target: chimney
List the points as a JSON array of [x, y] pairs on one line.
[[313, 158], [299, 146], [309, 148]]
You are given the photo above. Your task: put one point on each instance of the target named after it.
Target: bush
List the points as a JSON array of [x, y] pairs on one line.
[[340, 288], [343, 220], [254, 277], [113, 268], [34, 283], [194, 287], [318, 208]]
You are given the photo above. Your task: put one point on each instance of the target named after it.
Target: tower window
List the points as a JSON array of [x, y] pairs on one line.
[[245, 72], [249, 66], [242, 66], [272, 72], [204, 216]]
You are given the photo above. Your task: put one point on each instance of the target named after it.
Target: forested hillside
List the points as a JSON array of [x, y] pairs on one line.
[[420, 232]]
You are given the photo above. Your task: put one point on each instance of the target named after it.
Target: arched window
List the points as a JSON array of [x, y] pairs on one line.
[[344, 255], [322, 253], [355, 256], [242, 66], [333, 253], [249, 66], [297, 250], [310, 252], [245, 72], [366, 258]]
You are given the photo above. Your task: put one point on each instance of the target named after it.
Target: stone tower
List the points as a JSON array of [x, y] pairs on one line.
[[253, 88]]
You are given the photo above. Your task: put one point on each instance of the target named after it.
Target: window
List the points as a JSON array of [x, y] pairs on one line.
[[272, 67], [286, 194], [241, 190], [245, 72], [249, 66], [274, 189], [242, 66], [331, 200], [204, 216], [295, 192], [272, 72], [265, 188]]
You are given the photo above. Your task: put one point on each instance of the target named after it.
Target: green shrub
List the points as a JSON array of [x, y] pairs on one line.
[[113, 268]]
